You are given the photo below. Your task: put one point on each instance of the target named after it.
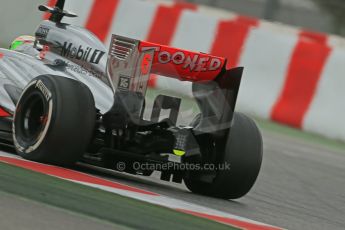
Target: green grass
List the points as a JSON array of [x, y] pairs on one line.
[[96, 203], [302, 135]]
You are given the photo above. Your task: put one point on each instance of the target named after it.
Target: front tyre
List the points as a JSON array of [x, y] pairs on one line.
[[54, 120], [242, 151]]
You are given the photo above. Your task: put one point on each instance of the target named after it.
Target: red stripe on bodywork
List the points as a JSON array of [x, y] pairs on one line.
[[50, 3], [231, 37], [164, 27], [70, 175], [3, 113], [101, 17], [233, 222], [305, 69]]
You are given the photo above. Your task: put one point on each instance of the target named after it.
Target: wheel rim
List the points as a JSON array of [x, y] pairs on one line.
[[33, 118]]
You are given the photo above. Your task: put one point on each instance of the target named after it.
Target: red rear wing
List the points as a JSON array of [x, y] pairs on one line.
[[130, 63], [183, 64]]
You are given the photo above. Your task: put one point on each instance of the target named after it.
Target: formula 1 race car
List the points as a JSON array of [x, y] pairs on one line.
[[65, 98]]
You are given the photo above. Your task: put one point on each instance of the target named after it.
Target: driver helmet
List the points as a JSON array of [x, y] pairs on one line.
[[21, 43]]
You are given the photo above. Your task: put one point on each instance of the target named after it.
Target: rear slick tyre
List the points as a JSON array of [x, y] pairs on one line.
[[54, 120], [243, 152]]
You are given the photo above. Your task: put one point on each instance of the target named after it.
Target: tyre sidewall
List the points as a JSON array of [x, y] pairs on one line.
[[44, 87]]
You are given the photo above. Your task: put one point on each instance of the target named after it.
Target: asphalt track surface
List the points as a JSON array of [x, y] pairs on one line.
[[301, 186], [18, 213]]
